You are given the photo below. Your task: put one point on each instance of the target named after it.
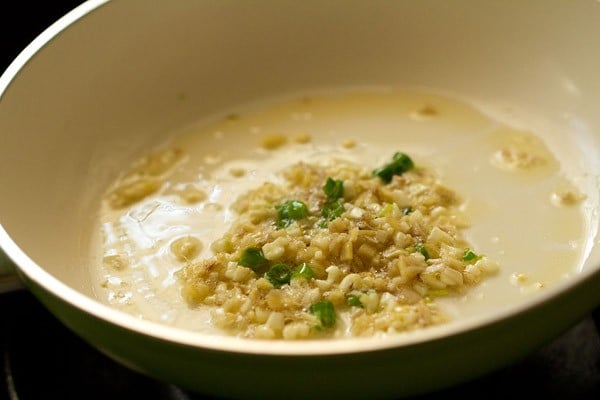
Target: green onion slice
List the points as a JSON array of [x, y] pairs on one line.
[[290, 211], [421, 249], [279, 274], [354, 301], [400, 164], [253, 258], [469, 256], [325, 312], [334, 189], [303, 271], [332, 210]]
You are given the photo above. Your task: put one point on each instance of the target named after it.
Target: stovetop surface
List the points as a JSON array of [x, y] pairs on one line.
[[41, 359]]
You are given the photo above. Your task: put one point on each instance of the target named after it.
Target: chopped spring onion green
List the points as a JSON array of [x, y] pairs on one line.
[[334, 189], [290, 211], [253, 258], [421, 249], [470, 256], [332, 210], [400, 164], [303, 271], [325, 312], [279, 274], [334, 207], [354, 301]]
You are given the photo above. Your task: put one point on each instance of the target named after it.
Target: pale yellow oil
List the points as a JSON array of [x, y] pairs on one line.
[[512, 219]]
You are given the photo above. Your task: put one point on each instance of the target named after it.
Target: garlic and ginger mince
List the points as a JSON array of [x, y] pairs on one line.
[[337, 238], [338, 216]]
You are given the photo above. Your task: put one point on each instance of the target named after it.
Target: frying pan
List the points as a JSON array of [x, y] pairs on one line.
[[105, 82]]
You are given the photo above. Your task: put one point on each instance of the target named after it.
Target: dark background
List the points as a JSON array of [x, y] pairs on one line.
[[41, 359], [23, 20]]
